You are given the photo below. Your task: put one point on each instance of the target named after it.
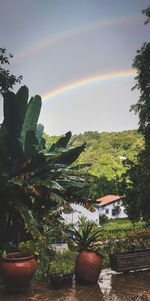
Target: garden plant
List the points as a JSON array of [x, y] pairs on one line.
[[34, 182], [62, 268], [88, 262]]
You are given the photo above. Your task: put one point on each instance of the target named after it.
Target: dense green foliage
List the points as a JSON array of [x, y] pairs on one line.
[[56, 265], [33, 180], [7, 80], [137, 179], [106, 152], [147, 13]]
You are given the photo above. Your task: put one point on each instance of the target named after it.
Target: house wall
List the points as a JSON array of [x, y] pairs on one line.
[[108, 210], [79, 211]]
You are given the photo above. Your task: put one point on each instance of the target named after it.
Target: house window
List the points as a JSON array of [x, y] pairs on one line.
[[107, 211], [114, 213]]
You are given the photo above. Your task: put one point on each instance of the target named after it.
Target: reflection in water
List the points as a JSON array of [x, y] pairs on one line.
[[129, 286], [105, 281], [133, 283], [87, 293], [111, 286]]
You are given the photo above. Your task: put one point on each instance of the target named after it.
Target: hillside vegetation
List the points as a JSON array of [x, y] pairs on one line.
[[106, 152]]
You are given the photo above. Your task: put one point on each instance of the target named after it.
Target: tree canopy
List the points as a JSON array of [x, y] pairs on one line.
[[142, 107], [147, 13], [137, 177], [7, 80], [105, 153]]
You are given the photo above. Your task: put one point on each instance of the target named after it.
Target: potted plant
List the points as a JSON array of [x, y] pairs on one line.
[[62, 268], [61, 273], [17, 269], [34, 181], [130, 252], [89, 261]]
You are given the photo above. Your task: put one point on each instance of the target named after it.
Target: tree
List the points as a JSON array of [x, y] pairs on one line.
[[101, 186], [137, 187], [7, 80], [147, 13], [141, 63], [142, 107], [131, 187]]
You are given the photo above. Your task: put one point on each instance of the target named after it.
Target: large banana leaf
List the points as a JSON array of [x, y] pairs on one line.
[[31, 117], [13, 118], [41, 140], [26, 171], [21, 101], [69, 156], [10, 114], [14, 111], [39, 132], [62, 142], [30, 145], [57, 198], [4, 150], [29, 221], [42, 144], [45, 183]]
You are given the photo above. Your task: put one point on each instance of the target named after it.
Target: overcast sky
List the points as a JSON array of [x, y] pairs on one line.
[[62, 46]]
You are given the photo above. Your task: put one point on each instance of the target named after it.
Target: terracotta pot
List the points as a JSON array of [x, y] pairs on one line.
[[17, 270], [88, 266]]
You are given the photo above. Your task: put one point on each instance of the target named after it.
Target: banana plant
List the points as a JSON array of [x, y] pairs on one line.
[[33, 180]]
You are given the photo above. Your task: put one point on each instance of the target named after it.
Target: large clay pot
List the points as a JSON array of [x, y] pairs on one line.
[[88, 266], [17, 270]]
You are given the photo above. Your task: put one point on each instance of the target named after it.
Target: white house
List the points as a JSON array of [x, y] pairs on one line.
[[110, 205], [78, 211]]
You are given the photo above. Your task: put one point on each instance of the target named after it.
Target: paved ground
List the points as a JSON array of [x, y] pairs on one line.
[[111, 286]]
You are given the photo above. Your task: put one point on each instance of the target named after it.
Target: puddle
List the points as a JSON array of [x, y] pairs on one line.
[[111, 286], [125, 286]]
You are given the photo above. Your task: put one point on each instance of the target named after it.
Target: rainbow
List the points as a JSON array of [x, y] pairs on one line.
[[87, 81], [57, 38]]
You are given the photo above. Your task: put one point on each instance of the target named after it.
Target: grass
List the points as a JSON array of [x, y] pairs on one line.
[[123, 224], [116, 229]]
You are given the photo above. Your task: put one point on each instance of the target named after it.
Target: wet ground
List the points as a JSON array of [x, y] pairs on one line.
[[111, 286]]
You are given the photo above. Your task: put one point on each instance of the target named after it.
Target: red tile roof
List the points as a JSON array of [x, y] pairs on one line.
[[107, 199]]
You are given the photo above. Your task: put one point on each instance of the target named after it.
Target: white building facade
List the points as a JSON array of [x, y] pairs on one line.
[[78, 212], [110, 205]]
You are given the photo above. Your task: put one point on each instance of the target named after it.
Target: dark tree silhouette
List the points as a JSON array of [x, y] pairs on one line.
[[7, 80], [137, 188]]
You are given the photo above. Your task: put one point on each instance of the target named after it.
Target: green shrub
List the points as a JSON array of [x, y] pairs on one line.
[[55, 263], [103, 219]]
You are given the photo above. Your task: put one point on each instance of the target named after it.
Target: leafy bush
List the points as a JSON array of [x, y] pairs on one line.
[[117, 241], [103, 219], [27, 248], [56, 264], [134, 240]]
